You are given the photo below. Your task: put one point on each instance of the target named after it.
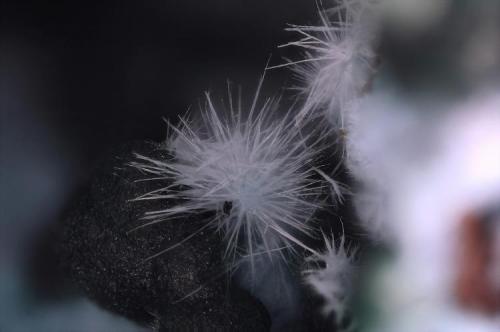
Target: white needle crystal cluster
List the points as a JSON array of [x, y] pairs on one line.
[[259, 169]]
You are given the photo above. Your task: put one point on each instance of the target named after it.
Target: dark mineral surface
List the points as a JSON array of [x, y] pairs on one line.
[[186, 288]]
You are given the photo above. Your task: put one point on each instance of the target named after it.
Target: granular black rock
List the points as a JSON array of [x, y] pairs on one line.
[[182, 289]]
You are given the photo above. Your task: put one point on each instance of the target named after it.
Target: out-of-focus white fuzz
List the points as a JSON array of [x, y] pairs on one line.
[[254, 171], [451, 169], [382, 130], [338, 58], [330, 276]]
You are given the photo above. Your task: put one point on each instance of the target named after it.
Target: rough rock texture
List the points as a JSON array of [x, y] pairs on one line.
[[109, 264]]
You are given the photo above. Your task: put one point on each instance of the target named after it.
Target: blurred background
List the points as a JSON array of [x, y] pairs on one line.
[[77, 78]]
